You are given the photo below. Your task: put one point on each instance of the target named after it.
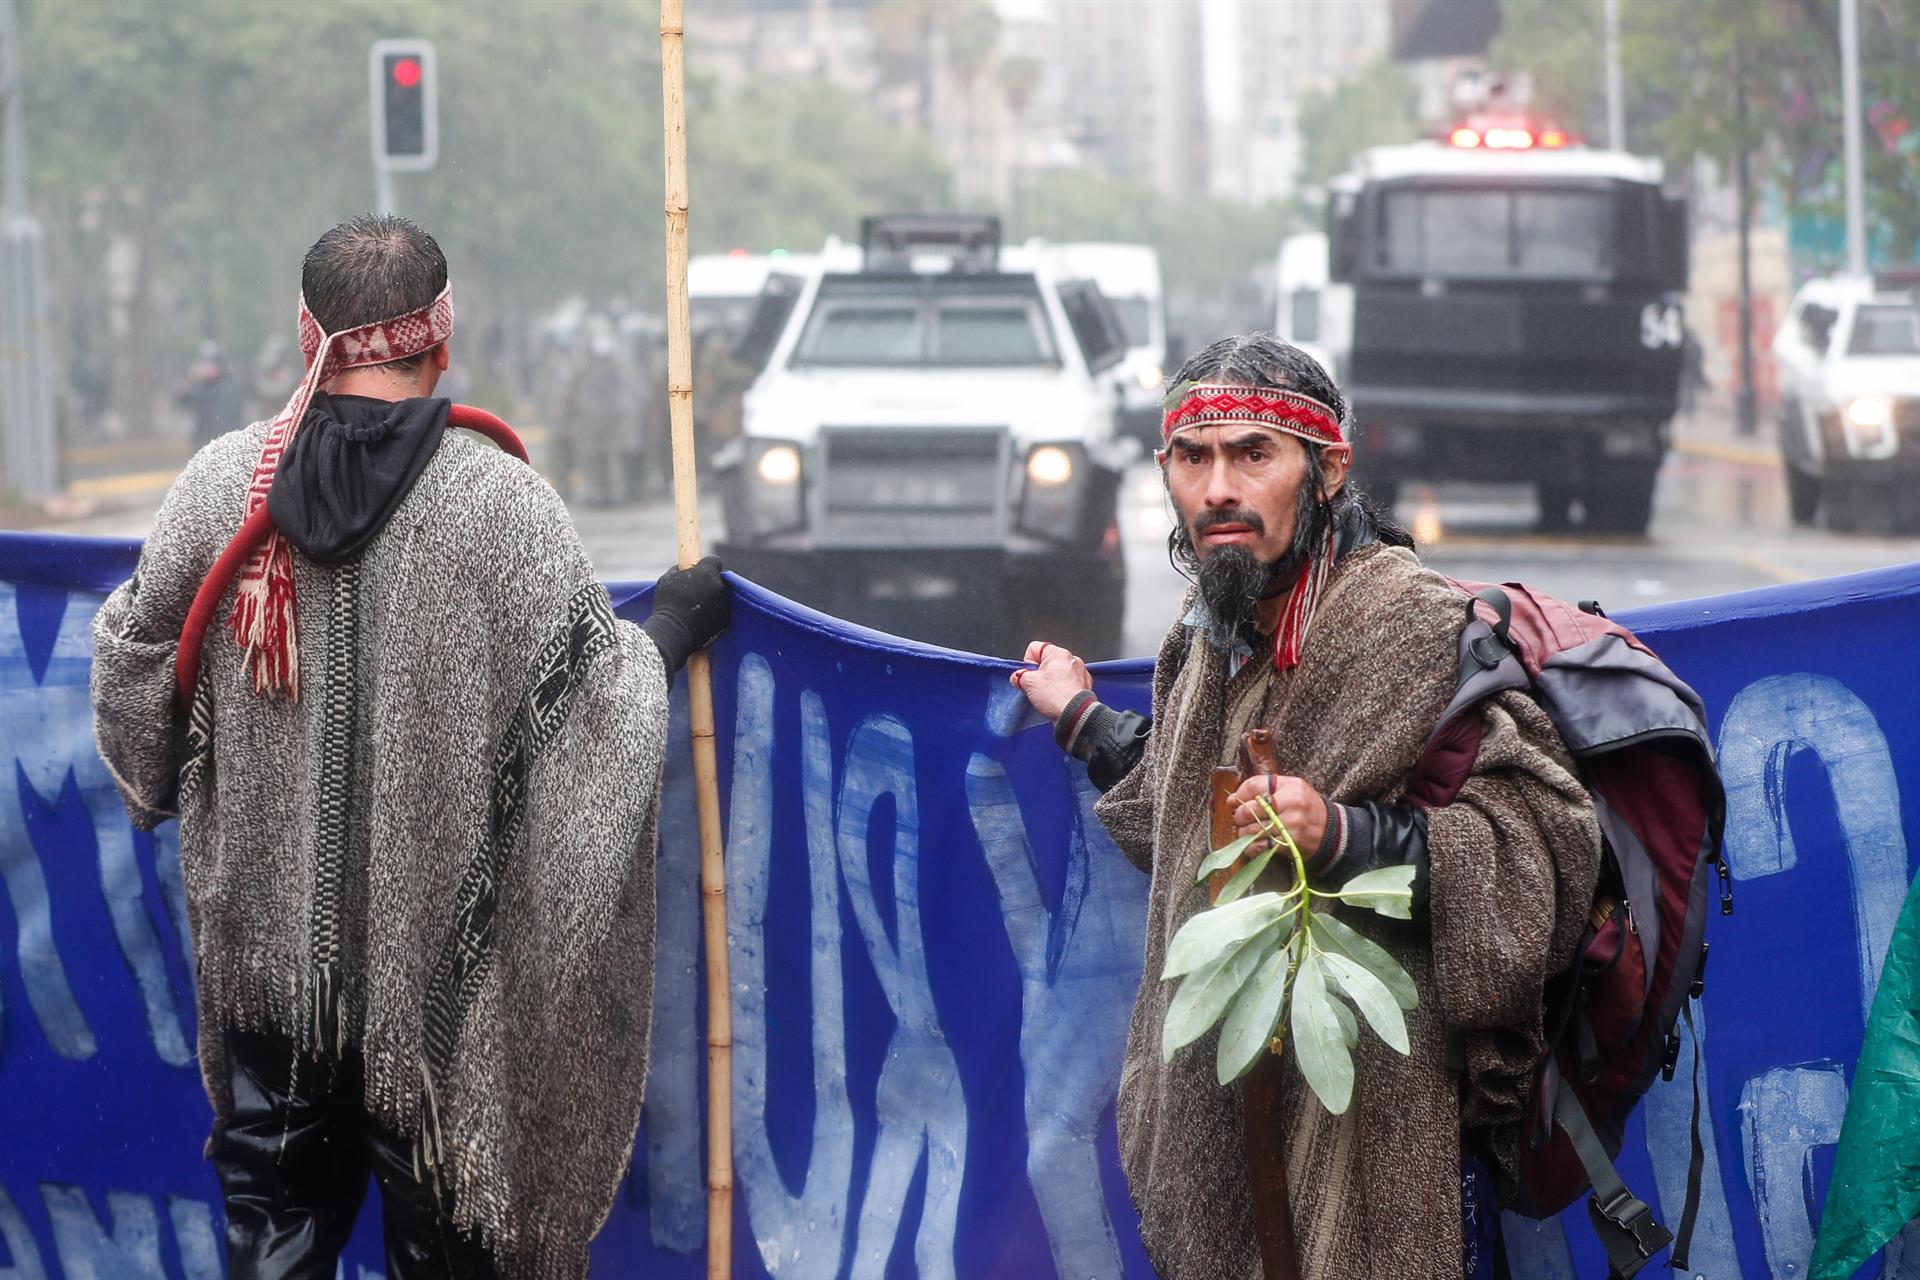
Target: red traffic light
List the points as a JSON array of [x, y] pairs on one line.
[[406, 72]]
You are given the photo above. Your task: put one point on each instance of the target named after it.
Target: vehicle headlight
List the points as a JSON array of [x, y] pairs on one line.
[[1868, 427], [767, 494], [779, 465], [1049, 466], [1871, 411], [1054, 493], [1150, 377]]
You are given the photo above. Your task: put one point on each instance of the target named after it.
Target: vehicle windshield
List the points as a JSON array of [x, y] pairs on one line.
[[927, 320], [1883, 330], [1531, 233], [1136, 317]]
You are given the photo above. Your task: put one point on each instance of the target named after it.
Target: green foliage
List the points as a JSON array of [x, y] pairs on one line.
[[1377, 107], [1248, 959], [202, 145], [1683, 65]]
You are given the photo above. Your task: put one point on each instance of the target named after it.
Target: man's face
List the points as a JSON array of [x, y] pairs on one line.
[[1237, 485]]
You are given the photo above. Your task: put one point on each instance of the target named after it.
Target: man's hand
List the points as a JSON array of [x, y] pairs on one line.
[[1052, 686], [1302, 808], [691, 607]]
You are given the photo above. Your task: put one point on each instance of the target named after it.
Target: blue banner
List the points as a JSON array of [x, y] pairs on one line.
[[934, 955]]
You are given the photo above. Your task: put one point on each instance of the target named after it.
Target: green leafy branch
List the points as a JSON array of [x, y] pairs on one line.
[[1251, 957]]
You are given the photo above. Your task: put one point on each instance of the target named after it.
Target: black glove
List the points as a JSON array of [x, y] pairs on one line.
[[691, 607], [1361, 837]]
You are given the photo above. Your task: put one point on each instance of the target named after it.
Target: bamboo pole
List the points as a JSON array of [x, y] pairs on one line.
[[686, 518]]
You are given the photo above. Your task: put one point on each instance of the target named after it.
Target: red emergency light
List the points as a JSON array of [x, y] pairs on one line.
[[406, 72], [1508, 138]]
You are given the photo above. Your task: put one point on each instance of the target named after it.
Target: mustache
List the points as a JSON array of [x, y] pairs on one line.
[[1229, 515]]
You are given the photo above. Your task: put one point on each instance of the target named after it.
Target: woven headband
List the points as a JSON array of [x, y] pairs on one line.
[[1207, 404]]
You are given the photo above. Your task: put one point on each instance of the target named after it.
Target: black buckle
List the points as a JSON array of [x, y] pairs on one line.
[[1634, 1228], [1726, 886], [1672, 1061], [1700, 974]]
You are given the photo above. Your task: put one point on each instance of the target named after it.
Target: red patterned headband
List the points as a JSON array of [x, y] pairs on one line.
[[263, 613], [1209, 404]]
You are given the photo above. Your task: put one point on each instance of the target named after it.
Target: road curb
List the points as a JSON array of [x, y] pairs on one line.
[[1743, 454]]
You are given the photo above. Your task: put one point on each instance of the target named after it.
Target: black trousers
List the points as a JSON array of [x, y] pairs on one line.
[[294, 1160]]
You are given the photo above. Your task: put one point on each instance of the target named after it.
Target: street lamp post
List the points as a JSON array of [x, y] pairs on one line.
[[1850, 101], [26, 397], [1616, 107]]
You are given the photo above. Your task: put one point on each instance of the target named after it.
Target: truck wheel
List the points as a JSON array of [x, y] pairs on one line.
[[1620, 499], [1803, 495], [1556, 507]]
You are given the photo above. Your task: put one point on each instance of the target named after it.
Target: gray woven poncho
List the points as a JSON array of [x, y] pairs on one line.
[[443, 852]]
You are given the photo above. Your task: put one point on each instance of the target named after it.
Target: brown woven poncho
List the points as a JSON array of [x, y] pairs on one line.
[[1375, 1192]]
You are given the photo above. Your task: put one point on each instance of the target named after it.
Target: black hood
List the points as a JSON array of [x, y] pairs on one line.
[[351, 463]]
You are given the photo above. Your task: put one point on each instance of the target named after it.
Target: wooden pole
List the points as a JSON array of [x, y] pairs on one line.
[[686, 517]]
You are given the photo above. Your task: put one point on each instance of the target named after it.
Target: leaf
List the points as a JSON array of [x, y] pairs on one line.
[[1387, 890], [1319, 1043], [1223, 857], [1349, 1025], [1243, 878], [1371, 997], [1205, 937], [1335, 934], [1249, 1023], [1205, 993]]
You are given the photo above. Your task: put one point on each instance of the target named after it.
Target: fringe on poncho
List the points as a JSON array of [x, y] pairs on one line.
[[1375, 1192], [442, 852]]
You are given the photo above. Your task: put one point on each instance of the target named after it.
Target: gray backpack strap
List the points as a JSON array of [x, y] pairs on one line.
[[1622, 1220]]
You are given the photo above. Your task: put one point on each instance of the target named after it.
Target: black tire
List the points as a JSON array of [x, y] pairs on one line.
[[1556, 507], [1803, 495], [1619, 499]]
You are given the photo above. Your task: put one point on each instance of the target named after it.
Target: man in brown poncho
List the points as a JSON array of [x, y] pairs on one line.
[[1311, 616]]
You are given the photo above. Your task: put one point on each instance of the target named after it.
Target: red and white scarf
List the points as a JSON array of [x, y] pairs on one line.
[[263, 609]]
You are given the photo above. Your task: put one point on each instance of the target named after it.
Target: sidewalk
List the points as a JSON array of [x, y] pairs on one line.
[[1709, 432]]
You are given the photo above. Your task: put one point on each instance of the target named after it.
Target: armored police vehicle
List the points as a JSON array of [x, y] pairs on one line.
[[1515, 315], [928, 447]]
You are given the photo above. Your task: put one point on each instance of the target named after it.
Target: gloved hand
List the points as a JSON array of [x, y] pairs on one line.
[[691, 607]]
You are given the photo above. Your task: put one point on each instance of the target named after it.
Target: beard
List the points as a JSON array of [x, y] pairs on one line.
[[1233, 580]]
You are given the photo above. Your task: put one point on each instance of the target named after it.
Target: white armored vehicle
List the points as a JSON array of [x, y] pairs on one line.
[[1849, 357], [928, 448]]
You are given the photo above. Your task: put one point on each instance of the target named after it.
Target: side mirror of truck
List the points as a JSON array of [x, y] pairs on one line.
[[1343, 237], [1674, 230]]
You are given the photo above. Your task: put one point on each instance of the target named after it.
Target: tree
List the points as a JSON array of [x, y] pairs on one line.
[[1683, 65]]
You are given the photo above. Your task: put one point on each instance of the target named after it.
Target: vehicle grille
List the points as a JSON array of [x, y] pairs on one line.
[[910, 487], [1906, 416]]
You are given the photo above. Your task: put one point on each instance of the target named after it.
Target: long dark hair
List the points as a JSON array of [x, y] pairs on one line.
[[1260, 359]]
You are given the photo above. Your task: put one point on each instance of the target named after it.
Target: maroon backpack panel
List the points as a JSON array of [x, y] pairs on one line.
[[1638, 735]]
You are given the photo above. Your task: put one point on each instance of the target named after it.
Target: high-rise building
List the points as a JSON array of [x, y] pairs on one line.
[[1133, 93], [1262, 59]]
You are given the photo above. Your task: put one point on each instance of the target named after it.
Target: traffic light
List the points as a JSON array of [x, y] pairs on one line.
[[406, 108]]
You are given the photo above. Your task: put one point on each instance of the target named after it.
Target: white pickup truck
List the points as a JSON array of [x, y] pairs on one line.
[[1849, 421], [927, 447]]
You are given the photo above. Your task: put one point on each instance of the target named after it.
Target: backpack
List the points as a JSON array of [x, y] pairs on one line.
[[1638, 736]]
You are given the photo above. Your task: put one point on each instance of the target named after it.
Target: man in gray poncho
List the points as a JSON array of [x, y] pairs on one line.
[[1312, 617], [416, 762]]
